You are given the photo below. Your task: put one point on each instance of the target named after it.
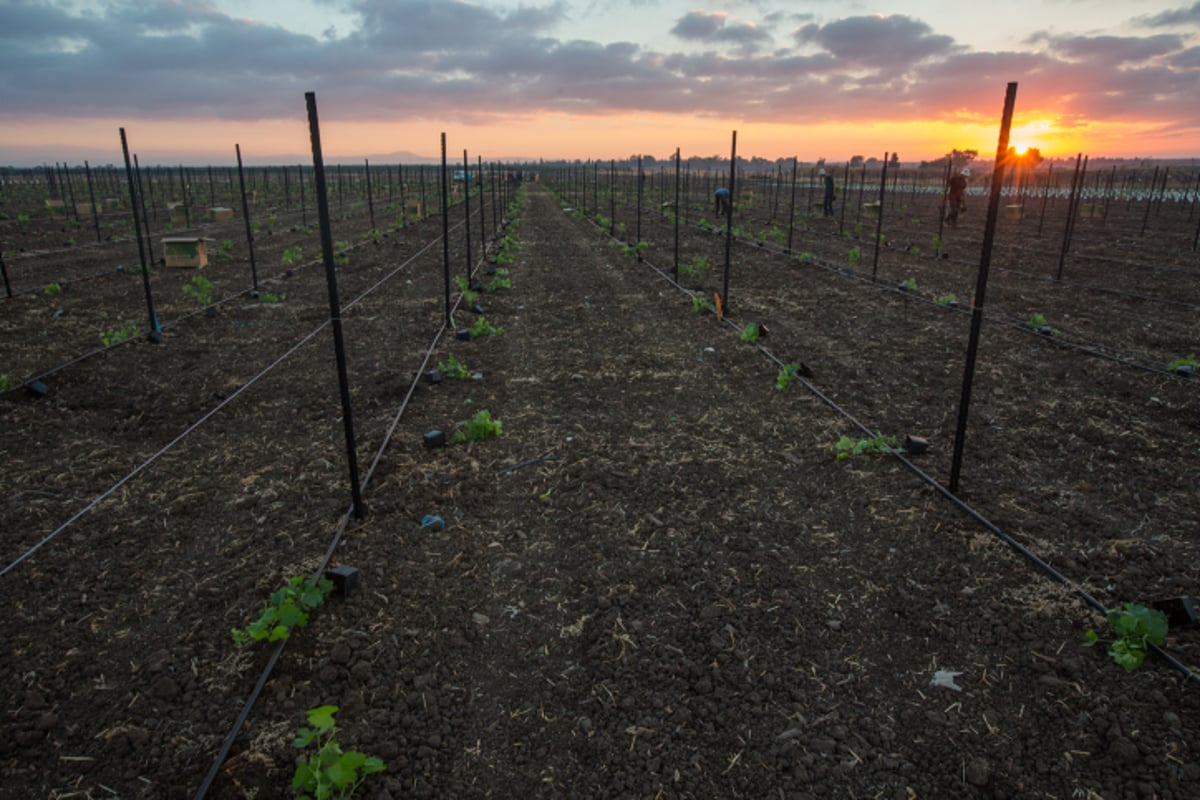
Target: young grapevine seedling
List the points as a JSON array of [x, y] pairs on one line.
[[787, 375], [118, 335], [200, 290], [1035, 322], [330, 772], [482, 327], [479, 427], [700, 304], [287, 608], [53, 289], [751, 332], [292, 255], [946, 299], [453, 368], [877, 444], [1135, 627]]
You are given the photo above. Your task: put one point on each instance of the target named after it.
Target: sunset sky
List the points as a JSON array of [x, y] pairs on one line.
[[593, 78]]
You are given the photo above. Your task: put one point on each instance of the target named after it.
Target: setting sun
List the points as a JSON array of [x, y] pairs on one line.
[[1021, 149]]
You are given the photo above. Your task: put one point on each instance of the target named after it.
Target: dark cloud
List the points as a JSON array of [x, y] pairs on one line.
[[474, 63], [1180, 16], [1111, 49], [894, 42], [697, 25]]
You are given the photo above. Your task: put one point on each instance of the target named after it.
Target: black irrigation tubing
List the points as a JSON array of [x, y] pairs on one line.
[[1093, 348], [244, 292], [207, 415], [962, 505], [344, 521], [161, 451], [1097, 349], [1009, 270]]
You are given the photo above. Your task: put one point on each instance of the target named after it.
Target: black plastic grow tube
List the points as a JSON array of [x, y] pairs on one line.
[[1024, 551]]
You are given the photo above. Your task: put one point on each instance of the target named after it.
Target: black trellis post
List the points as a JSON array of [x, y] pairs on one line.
[[445, 230], [187, 215], [335, 312], [482, 207], [845, 191], [370, 193], [729, 223], [246, 213], [1072, 210], [467, 212], [1048, 188], [303, 207], [612, 197], [675, 208], [989, 234], [792, 204], [92, 196], [4, 274], [155, 334], [879, 220], [641, 178], [1149, 202], [141, 203]]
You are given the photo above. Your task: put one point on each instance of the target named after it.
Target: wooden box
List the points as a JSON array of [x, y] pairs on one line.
[[221, 214], [1014, 211], [185, 251]]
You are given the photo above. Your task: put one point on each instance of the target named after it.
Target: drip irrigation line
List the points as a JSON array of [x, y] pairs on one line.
[[244, 292], [962, 505], [161, 451], [339, 532], [547, 457], [1009, 270]]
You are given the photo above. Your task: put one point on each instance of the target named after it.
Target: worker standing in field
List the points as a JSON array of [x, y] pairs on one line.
[[723, 201], [956, 193], [827, 180]]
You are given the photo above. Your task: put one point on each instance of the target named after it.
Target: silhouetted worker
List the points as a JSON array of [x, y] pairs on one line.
[[723, 202], [827, 180], [956, 194]]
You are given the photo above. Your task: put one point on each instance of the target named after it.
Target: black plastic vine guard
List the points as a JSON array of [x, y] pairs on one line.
[[915, 445], [463, 334], [1180, 611], [37, 389], [345, 580], [478, 309], [433, 376], [435, 439], [211, 311]]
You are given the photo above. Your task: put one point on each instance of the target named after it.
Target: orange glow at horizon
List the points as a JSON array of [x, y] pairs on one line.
[[554, 136]]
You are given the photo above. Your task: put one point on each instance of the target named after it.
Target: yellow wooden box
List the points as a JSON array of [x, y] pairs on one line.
[[185, 251]]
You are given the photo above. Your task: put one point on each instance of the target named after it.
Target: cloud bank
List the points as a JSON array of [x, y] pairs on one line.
[[471, 63]]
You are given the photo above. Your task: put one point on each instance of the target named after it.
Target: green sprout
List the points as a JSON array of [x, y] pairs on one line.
[[499, 281], [909, 284], [847, 446], [478, 428], [1187, 361], [53, 289], [268, 297], [6, 384], [1136, 627], [226, 249], [946, 299], [937, 246], [331, 772], [200, 290], [700, 304], [469, 297], [118, 335], [293, 255], [695, 270], [453, 368], [751, 332], [787, 374], [634, 249], [1035, 323], [854, 255], [340, 256], [287, 608], [482, 327]]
